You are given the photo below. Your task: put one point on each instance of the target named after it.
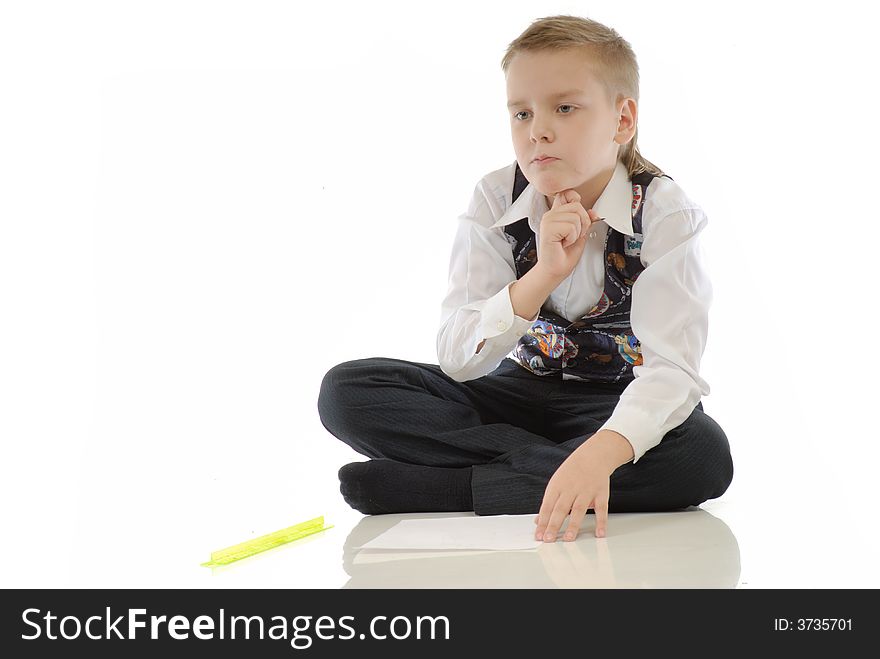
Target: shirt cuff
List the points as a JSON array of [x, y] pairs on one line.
[[498, 316], [636, 425]]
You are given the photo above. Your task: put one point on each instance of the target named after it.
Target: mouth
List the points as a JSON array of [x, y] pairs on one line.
[[544, 161]]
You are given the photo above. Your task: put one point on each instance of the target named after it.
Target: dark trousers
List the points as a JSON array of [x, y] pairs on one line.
[[515, 429]]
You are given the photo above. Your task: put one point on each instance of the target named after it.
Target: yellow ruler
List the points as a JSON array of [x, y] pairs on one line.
[[264, 542]]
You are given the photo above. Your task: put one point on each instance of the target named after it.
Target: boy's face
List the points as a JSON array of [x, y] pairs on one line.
[[582, 129]]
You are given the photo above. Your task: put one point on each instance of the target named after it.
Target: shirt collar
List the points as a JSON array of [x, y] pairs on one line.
[[614, 204]]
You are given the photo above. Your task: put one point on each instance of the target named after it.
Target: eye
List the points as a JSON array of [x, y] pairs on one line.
[[564, 105]]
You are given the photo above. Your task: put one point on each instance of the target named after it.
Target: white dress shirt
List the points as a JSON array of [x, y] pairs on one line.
[[670, 298]]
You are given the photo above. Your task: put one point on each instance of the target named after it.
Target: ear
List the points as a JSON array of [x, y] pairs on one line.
[[627, 120]]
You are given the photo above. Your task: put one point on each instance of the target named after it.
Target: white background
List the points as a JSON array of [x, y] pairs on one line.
[[206, 205]]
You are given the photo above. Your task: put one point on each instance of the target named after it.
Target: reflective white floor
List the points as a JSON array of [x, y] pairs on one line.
[[695, 548], [711, 546], [691, 549], [756, 536]]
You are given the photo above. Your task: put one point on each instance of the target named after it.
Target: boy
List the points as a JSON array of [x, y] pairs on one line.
[[571, 334]]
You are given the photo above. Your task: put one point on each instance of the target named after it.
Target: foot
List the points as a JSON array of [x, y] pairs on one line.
[[378, 487]]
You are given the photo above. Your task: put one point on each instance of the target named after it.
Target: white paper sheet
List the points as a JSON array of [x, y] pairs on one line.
[[371, 556], [494, 532]]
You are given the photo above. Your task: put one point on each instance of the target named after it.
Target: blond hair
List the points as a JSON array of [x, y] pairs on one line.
[[613, 60]]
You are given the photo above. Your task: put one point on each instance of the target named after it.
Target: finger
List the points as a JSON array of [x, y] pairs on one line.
[[600, 508], [566, 226], [578, 511], [544, 513], [570, 195], [579, 215], [585, 225], [565, 196], [560, 512], [573, 235]]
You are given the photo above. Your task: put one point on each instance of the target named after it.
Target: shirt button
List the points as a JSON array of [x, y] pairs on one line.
[[501, 326], [592, 234]]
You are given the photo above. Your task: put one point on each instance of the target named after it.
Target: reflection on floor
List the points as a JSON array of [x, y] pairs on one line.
[[683, 549]]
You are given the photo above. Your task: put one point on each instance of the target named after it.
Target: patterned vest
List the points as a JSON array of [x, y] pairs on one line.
[[600, 346]]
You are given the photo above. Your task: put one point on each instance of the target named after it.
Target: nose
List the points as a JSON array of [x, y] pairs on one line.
[[540, 130]]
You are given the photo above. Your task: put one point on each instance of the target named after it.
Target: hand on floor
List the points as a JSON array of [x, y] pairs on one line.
[[581, 483]]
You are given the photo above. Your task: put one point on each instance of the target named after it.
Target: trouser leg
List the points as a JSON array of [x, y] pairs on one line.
[[414, 412], [515, 429], [691, 464], [514, 483]]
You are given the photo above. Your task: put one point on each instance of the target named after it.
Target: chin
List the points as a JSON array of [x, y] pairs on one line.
[[548, 186]]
